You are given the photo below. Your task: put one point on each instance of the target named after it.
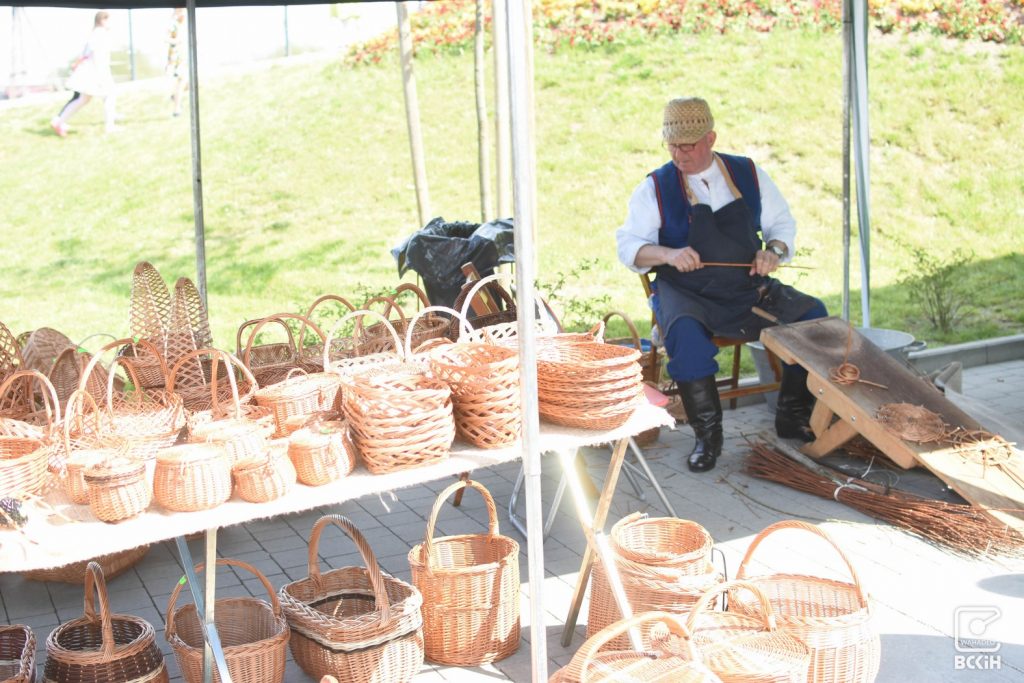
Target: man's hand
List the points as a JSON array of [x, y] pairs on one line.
[[685, 260], [765, 262]]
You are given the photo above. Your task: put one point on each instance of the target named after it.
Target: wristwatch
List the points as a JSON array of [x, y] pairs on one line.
[[777, 250]]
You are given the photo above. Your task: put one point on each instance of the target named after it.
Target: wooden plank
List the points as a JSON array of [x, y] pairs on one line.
[[820, 345]]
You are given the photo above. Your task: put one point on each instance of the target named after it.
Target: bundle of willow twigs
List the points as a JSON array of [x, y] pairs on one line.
[[959, 527]]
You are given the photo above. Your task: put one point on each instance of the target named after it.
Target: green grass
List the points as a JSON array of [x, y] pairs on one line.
[[307, 179]]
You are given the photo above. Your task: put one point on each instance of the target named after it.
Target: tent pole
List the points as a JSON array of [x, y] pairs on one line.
[[482, 142], [863, 151], [412, 113], [501, 108], [847, 29], [524, 199], [197, 163]]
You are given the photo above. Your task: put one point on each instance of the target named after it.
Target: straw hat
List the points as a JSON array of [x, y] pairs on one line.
[[687, 119]]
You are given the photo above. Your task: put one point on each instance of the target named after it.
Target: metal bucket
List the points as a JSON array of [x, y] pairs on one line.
[[895, 343]]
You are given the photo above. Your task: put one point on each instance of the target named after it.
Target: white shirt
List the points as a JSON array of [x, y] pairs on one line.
[[709, 187]]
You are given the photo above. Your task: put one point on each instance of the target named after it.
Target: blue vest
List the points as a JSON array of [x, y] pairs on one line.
[[675, 208]]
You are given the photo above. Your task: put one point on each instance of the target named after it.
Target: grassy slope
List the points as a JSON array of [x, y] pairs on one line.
[[307, 178]]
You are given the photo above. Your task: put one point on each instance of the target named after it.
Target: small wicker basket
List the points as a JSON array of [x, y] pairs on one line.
[[24, 459], [356, 623], [118, 488], [265, 478], [112, 565], [470, 587], [191, 477], [298, 395], [104, 647], [17, 654], [74, 480], [322, 452], [254, 634]]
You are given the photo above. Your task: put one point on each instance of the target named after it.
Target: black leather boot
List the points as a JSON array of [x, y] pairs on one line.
[[793, 415], [704, 413]]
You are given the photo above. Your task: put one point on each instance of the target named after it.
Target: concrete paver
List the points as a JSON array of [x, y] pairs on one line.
[[918, 590]]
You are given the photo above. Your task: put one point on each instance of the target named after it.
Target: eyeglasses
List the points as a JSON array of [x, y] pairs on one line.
[[682, 147]]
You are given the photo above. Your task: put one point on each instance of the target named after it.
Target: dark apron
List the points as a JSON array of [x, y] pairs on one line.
[[721, 297]]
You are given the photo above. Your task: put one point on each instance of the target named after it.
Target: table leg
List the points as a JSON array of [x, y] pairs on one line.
[[595, 523], [213, 646]]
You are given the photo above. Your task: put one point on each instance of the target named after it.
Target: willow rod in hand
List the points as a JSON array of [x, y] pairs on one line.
[[751, 265]]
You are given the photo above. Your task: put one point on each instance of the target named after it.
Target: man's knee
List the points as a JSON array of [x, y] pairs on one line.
[[690, 350], [818, 310]]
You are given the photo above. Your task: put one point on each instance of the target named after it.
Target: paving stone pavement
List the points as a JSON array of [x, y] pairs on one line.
[[921, 594]]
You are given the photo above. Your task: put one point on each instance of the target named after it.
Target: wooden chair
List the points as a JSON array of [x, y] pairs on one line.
[[729, 387]]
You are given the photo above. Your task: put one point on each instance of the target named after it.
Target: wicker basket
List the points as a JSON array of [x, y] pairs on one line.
[[104, 647], [19, 402], [66, 374], [322, 452], [253, 633], [118, 489], [484, 381], [671, 657], [112, 565], [470, 587], [265, 478], [504, 303], [24, 459], [650, 365], [299, 394], [40, 350], [270, 363], [588, 385], [215, 389], [355, 623], [74, 479], [340, 348], [376, 339], [745, 649], [192, 477], [833, 618], [17, 654]]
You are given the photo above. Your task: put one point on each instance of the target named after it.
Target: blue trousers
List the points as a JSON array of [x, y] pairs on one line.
[[691, 352]]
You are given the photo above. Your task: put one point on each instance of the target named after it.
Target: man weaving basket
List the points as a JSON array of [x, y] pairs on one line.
[[698, 211]]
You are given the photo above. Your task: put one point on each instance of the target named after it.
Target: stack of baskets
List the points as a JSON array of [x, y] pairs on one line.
[[113, 648], [650, 365], [355, 623], [588, 385], [831, 617], [470, 587], [664, 564], [254, 634]]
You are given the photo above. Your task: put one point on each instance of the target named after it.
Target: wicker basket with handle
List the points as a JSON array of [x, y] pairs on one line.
[[266, 477], [118, 488], [270, 362], [356, 623], [832, 617], [299, 394], [17, 654], [42, 347], [252, 631], [341, 347], [670, 657], [376, 338], [104, 647], [24, 459], [470, 587]]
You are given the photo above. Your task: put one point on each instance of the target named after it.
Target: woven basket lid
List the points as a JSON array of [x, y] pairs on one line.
[[117, 467], [190, 453], [86, 458], [318, 434], [278, 450], [226, 429]]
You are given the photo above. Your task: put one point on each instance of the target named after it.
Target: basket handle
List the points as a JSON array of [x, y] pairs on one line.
[[495, 290], [275, 603], [390, 304], [232, 363], [741, 572], [312, 307], [411, 287], [360, 314], [629, 324], [546, 323], [73, 415], [767, 611], [50, 401], [94, 580], [94, 361], [423, 312], [380, 593], [278, 318], [426, 550], [581, 662]]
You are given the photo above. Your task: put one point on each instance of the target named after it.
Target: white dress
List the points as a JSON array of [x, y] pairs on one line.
[[92, 75]]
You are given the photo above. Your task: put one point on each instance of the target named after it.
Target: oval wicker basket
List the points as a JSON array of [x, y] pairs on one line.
[[112, 566], [356, 623], [118, 489], [253, 633], [470, 588], [17, 654], [833, 618], [299, 395], [191, 477], [265, 478], [270, 363], [672, 657], [24, 459], [667, 542], [74, 480], [321, 452], [112, 648]]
